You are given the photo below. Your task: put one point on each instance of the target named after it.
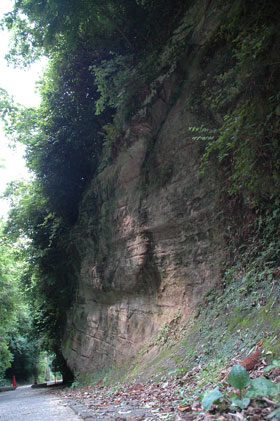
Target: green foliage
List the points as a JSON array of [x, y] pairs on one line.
[[64, 152], [17, 120], [46, 266], [274, 414], [19, 345], [247, 147], [239, 402], [127, 82], [62, 136], [28, 210], [6, 105], [112, 77], [63, 142], [203, 134], [244, 89], [24, 345], [275, 363], [114, 26], [111, 137], [8, 278], [243, 92], [211, 397], [262, 387], [238, 378], [5, 355]]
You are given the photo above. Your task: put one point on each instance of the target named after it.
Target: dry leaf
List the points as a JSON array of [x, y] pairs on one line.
[[187, 408], [250, 362]]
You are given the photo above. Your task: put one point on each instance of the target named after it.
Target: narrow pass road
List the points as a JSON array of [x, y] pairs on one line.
[[27, 404]]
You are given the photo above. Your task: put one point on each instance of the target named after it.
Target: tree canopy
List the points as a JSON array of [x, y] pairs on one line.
[[42, 27], [19, 345]]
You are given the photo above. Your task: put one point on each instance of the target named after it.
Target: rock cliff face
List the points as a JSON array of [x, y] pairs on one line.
[[148, 236]]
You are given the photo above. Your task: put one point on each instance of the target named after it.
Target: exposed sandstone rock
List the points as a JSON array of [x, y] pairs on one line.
[[148, 236]]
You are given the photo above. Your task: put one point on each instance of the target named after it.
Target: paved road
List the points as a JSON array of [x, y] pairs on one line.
[[27, 404]]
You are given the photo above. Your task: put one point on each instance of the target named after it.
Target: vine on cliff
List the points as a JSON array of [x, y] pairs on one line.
[[244, 92]]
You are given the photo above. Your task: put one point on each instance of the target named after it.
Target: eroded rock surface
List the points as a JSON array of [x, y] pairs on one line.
[[148, 236]]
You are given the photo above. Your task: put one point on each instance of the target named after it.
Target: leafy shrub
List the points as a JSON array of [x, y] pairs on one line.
[[239, 379]]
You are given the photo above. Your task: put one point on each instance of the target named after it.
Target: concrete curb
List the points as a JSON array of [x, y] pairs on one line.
[[7, 389], [47, 384], [39, 385]]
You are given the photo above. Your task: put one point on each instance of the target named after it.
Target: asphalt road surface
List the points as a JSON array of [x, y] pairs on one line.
[[27, 404]]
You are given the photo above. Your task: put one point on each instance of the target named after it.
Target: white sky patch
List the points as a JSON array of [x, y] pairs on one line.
[[19, 83]]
